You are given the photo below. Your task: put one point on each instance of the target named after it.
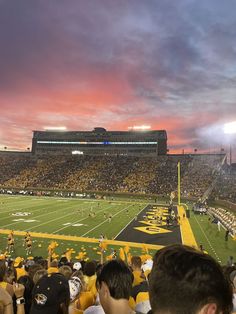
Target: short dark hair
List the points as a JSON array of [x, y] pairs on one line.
[[183, 280], [90, 268], [118, 277], [136, 261]]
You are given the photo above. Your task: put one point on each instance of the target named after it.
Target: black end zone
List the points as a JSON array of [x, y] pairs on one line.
[[154, 225]]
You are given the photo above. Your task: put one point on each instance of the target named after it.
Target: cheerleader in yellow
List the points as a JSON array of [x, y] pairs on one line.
[[10, 243], [28, 247]]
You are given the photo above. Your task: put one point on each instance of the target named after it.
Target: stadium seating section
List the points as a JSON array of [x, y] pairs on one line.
[[119, 174]]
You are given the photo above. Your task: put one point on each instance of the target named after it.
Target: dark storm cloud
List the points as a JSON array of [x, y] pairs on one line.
[[126, 61]]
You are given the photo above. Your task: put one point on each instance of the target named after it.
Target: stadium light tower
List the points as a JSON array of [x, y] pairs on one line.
[[55, 128], [230, 128], [139, 127]]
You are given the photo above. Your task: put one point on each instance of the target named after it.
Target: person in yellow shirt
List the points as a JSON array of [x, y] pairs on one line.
[[10, 243], [53, 267], [18, 265], [26, 238], [136, 264], [90, 276], [28, 247]]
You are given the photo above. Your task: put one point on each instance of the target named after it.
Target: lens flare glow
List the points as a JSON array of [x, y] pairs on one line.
[[230, 128]]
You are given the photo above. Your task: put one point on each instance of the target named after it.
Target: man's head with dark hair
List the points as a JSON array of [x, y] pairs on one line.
[[114, 283], [63, 261], [90, 268], [136, 262], [186, 281]]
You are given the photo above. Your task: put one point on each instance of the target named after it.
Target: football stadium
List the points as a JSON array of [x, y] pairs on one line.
[[76, 188], [118, 157], [81, 199]]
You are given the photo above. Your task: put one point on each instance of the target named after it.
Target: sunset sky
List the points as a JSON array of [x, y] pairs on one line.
[[170, 64]]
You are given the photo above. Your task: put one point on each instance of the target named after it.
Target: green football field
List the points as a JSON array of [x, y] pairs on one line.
[[213, 240], [89, 218], [69, 217]]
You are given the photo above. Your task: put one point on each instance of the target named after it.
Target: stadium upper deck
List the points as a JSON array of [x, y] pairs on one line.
[[118, 174], [100, 142]]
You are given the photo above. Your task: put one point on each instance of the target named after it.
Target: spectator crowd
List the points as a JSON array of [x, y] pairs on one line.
[[226, 218], [177, 280], [120, 174]]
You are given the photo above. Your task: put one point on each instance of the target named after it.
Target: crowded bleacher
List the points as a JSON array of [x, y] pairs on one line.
[[120, 285], [121, 174], [226, 218], [225, 188]]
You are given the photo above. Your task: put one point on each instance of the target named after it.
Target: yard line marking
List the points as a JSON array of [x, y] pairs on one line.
[[22, 210], [44, 214], [105, 221], [130, 221], [36, 217], [78, 221], [46, 222], [63, 217]]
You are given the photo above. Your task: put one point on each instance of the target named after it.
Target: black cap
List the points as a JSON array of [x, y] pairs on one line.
[[49, 292]]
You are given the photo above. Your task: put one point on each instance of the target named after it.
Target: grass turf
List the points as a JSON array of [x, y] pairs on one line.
[[213, 240], [71, 217], [75, 217]]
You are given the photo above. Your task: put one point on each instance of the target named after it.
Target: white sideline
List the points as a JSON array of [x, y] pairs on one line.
[[129, 222], [213, 250]]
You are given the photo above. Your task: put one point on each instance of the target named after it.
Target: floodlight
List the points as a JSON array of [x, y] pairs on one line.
[[230, 128], [55, 128], [139, 127]]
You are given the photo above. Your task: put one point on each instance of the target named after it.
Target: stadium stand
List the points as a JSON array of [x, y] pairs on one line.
[[12, 165], [227, 219], [225, 188], [121, 174]]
